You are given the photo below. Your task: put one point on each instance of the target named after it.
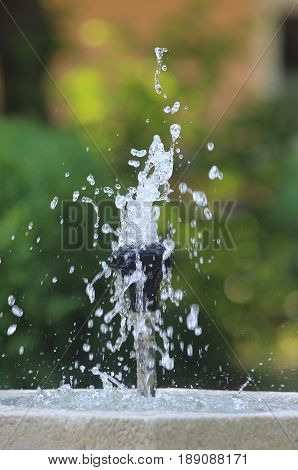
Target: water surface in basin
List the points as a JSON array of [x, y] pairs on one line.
[[165, 401]]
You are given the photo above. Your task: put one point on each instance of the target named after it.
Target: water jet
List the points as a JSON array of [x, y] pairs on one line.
[[143, 305]]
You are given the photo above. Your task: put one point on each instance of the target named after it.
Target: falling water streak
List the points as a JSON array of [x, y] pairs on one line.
[[243, 387], [88, 200], [159, 52]]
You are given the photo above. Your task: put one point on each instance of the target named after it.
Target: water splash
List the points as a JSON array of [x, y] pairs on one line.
[[139, 213], [138, 216]]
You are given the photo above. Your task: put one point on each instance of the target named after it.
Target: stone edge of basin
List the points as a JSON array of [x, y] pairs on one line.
[[30, 428]]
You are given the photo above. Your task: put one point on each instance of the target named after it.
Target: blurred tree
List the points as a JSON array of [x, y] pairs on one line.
[[26, 34]]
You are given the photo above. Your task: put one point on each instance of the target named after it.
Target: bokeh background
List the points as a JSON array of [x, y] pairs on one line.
[[76, 94]]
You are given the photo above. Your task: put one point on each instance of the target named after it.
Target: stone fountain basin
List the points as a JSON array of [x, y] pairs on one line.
[[24, 426]]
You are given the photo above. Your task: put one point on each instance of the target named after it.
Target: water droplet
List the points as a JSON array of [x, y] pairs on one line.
[[183, 188], [103, 328], [98, 312], [54, 280], [91, 180], [164, 68], [17, 311], [178, 294], [169, 247], [164, 295], [54, 202], [175, 130], [90, 291], [11, 330], [207, 213], [159, 52], [11, 300], [167, 362], [67, 174], [215, 173], [138, 153], [21, 350], [86, 347], [71, 269], [95, 371], [175, 107], [30, 225], [106, 228], [134, 163], [109, 191], [75, 195], [192, 317], [210, 146], [200, 198]]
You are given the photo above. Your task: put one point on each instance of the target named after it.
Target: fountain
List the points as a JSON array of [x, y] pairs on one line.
[[116, 417], [140, 260]]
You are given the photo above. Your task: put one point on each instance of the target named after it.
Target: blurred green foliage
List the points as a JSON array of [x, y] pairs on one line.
[[34, 160]]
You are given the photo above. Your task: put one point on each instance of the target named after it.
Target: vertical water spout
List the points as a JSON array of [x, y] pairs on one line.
[[145, 348], [146, 267]]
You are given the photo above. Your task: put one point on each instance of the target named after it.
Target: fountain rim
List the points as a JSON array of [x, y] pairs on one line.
[[149, 415]]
